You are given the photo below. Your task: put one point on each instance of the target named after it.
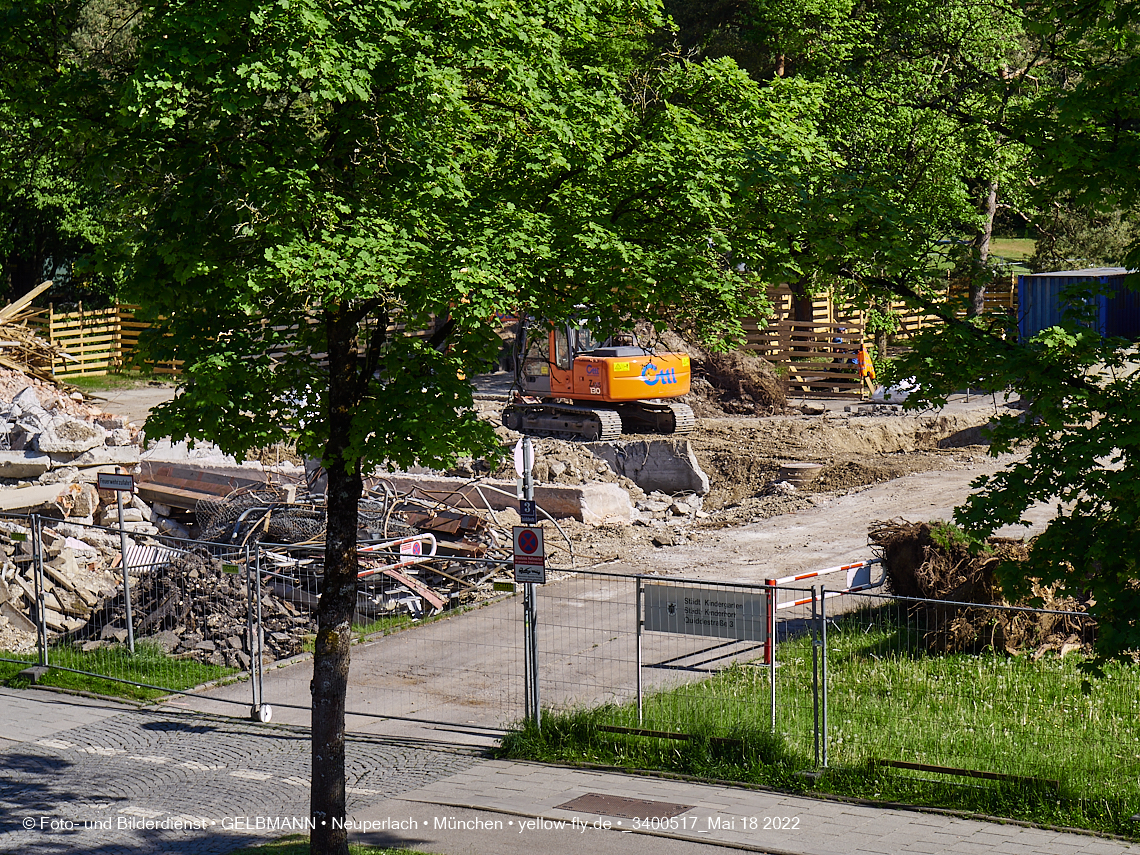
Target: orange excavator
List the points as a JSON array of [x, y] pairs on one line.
[[572, 386]]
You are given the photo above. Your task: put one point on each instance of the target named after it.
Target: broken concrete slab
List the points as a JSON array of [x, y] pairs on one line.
[[667, 465], [30, 498], [23, 464], [68, 435], [16, 617], [99, 456], [592, 503]]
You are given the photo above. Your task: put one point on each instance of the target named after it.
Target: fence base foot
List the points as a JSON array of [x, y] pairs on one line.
[[35, 673], [261, 714]]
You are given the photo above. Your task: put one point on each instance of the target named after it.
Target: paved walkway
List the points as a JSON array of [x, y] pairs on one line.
[[96, 777]]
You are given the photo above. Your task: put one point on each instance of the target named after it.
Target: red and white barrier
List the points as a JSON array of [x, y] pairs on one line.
[[858, 577]]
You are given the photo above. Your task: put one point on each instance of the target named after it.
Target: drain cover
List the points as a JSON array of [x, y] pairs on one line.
[[620, 806]]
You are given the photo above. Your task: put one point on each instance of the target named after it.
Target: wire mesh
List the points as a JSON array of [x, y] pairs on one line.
[[440, 640], [19, 619], [188, 622], [597, 650], [942, 685]]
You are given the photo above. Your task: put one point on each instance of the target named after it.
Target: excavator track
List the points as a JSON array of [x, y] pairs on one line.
[[563, 421], [657, 417]]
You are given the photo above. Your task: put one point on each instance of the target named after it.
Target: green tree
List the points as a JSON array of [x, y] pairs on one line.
[[1078, 441], [49, 216], [295, 179]]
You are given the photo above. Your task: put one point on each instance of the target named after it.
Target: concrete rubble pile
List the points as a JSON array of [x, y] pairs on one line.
[[76, 579], [194, 609], [63, 441]]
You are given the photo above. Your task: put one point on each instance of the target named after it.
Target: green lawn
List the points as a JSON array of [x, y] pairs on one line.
[[1012, 249], [889, 700], [113, 382], [149, 665]]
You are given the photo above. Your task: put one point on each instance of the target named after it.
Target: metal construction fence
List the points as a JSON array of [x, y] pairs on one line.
[[158, 613], [842, 678]]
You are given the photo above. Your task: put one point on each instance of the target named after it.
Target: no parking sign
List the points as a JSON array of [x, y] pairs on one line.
[[529, 554]]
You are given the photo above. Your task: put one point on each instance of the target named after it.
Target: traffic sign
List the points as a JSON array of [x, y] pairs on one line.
[[112, 481], [528, 511], [529, 554]]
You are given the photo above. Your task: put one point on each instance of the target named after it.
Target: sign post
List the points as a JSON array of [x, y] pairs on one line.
[[530, 567], [122, 483]]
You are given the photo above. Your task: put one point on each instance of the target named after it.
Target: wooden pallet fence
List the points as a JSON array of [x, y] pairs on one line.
[[100, 341], [96, 341], [818, 359]]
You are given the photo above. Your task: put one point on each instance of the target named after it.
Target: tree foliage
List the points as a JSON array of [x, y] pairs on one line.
[[301, 186]]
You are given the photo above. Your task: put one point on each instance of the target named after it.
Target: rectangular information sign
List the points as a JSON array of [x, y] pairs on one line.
[[530, 573], [528, 511], [714, 612], [112, 481], [529, 554]]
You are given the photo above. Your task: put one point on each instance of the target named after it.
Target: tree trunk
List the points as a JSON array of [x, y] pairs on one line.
[[882, 339], [338, 597], [802, 304], [980, 275]]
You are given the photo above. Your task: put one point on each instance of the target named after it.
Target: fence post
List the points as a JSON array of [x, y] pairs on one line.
[[117, 354], [640, 691], [261, 711], [250, 630], [823, 671], [816, 644], [527, 676], [38, 581], [126, 571], [770, 649]]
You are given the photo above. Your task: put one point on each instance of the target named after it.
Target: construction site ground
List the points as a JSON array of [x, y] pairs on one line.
[[875, 467], [878, 462]]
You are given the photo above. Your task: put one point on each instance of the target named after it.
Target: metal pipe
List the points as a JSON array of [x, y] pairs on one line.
[[823, 673], [815, 648], [640, 622], [41, 616], [126, 573]]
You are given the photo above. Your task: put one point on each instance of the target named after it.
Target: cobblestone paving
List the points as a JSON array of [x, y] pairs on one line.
[[168, 783]]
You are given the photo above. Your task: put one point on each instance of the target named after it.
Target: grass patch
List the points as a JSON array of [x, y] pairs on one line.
[[298, 844], [383, 625], [149, 664], [1012, 249], [889, 700], [115, 381]]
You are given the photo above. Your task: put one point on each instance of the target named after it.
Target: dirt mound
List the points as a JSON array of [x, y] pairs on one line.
[[725, 384], [935, 562]]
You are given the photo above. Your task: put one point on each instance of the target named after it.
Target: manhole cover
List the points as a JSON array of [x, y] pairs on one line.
[[619, 806]]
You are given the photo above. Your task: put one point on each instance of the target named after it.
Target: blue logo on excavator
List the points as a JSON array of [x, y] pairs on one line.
[[652, 375]]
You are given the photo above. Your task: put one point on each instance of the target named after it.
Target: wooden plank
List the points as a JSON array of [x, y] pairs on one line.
[[416, 587], [195, 480], [967, 773], [187, 500], [13, 309]]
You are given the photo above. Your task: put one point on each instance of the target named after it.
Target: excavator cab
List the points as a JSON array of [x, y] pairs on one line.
[[572, 385]]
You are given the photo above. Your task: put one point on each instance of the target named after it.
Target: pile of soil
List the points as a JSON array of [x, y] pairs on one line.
[[736, 383], [935, 563]]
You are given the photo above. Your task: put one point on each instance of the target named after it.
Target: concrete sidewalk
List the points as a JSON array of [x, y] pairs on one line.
[[89, 761], [507, 807]]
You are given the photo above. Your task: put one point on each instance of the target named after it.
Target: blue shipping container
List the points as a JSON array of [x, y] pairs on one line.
[[1039, 301]]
